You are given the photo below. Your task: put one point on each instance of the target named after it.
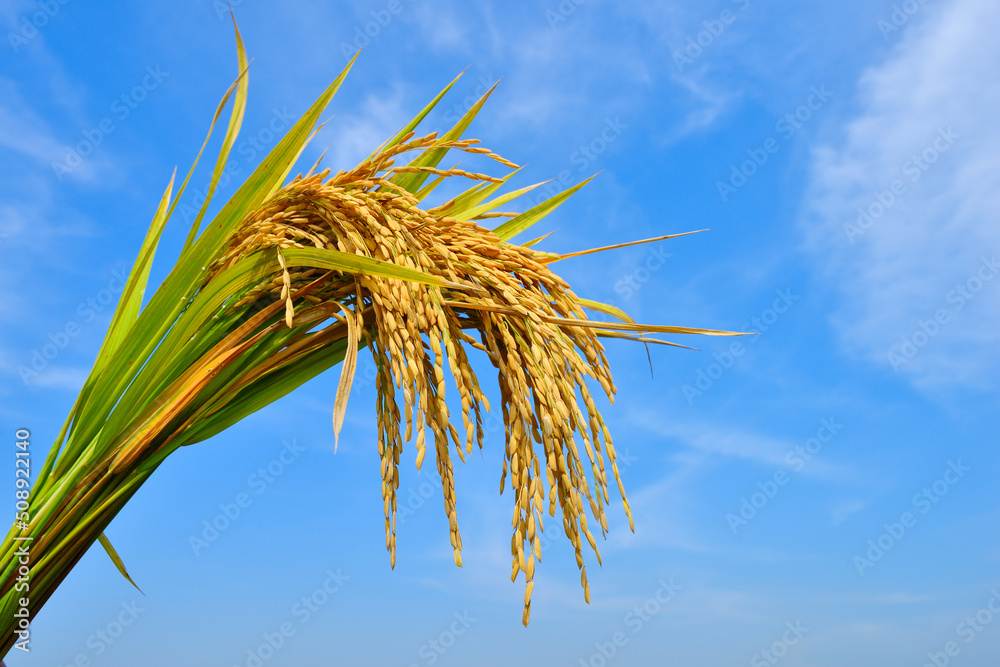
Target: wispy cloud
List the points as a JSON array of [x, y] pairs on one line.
[[63, 379], [844, 509], [707, 443], [899, 216], [21, 129], [707, 105]]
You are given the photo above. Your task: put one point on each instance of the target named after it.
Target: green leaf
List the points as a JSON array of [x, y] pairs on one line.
[[515, 226], [187, 276], [412, 125], [190, 336], [496, 203], [135, 287], [533, 242], [607, 309], [475, 196], [268, 175], [323, 258], [431, 157], [131, 300], [235, 122], [116, 559], [193, 332], [425, 191], [265, 391]]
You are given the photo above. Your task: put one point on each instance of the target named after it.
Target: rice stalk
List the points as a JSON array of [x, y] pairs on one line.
[[294, 276]]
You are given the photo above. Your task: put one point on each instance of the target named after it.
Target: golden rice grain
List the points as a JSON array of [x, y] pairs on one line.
[[532, 328]]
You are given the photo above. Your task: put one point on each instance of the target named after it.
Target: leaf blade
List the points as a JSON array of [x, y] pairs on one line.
[[232, 131], [515, 226], [116, 559], [431, 157]]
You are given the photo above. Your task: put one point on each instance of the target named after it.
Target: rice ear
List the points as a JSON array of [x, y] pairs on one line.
[[287, 281], [529, 324]]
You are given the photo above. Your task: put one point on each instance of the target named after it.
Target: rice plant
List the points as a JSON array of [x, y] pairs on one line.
[[296, 275]]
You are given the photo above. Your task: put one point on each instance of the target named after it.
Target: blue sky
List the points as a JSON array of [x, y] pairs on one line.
[[821, 495]]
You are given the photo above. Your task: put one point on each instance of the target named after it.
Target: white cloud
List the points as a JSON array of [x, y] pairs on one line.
[[64, 379], [842, 511], [899, 269], [662, 511], [444, 30], [708, 443], [23, 131], [707, 103]]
